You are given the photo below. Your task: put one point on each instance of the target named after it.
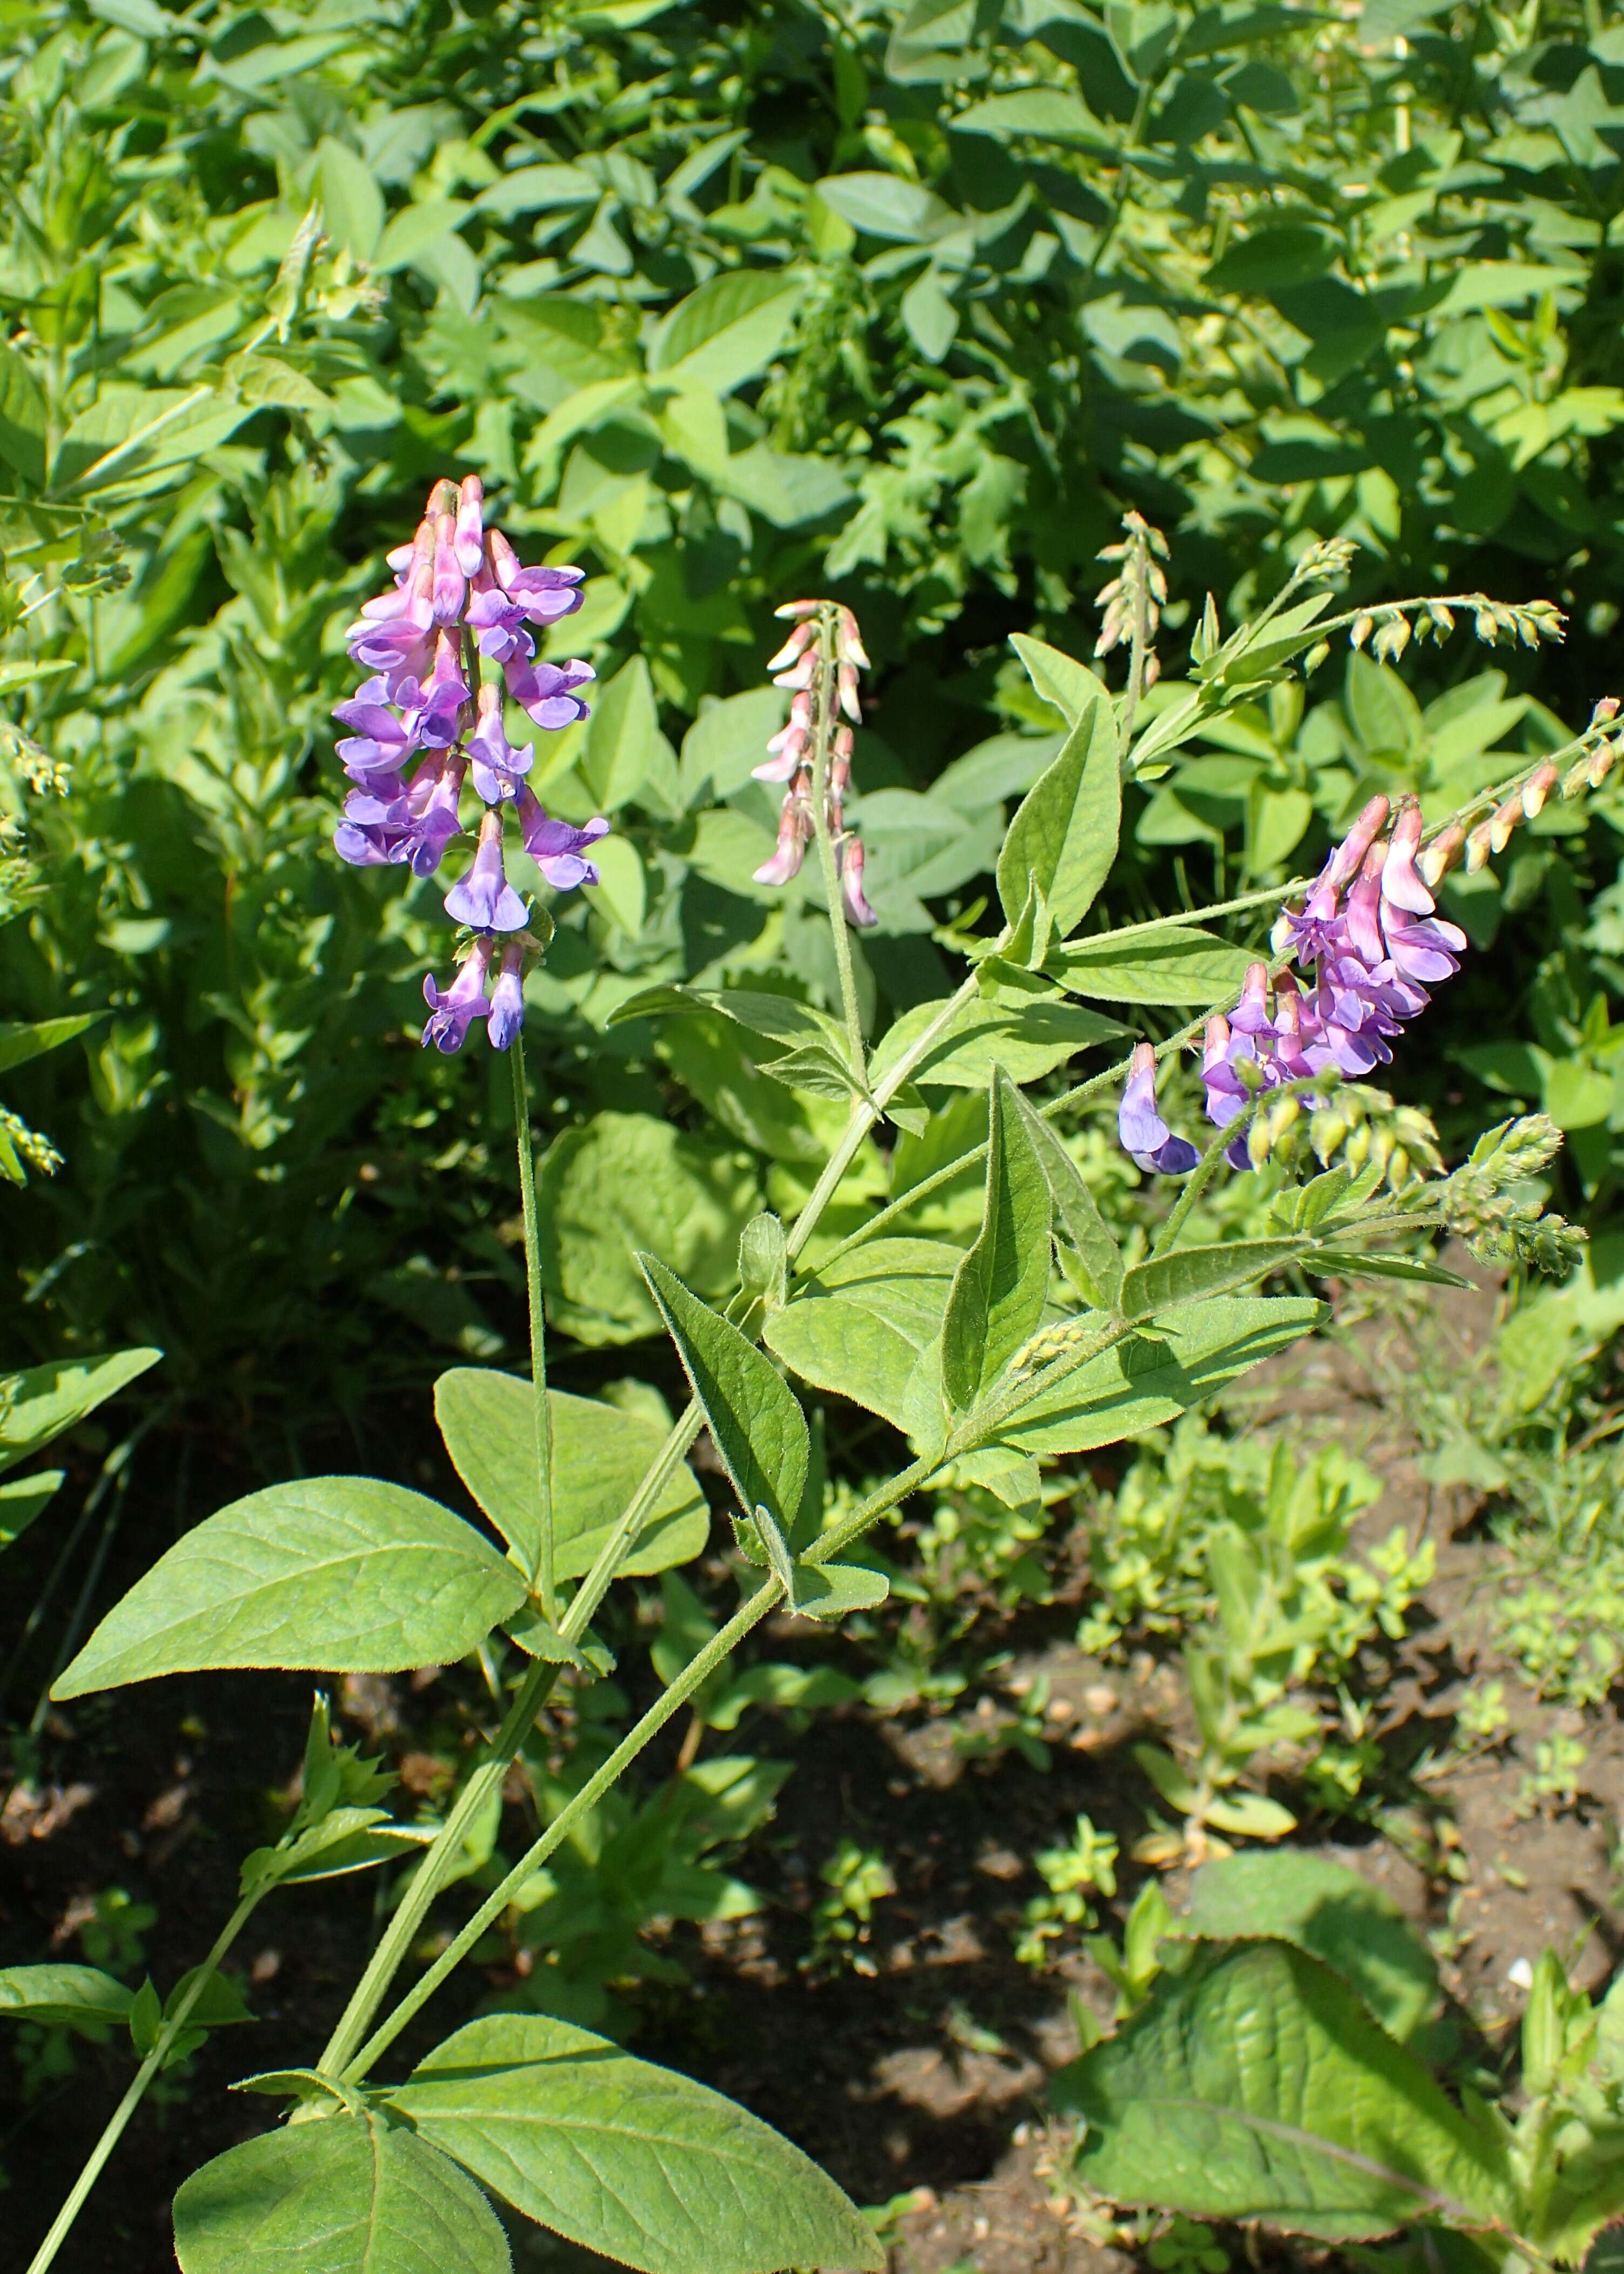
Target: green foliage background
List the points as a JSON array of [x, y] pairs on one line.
[[730, 303]]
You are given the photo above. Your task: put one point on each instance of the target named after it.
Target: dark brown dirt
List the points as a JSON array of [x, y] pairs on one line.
[[919, 2080]]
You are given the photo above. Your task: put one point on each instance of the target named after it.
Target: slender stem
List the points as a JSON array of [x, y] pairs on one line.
[[670, 1701], [432, 1873], [1206, 1168], [823, 736], [1258, 899], [606, 1564], [119, 2119], [1082, 1095], [1139, 650], [543, 1576], [864, 1117]]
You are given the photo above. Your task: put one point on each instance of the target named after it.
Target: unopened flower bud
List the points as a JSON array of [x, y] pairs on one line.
[[1602, 762], [1441, 855], [1606, 710], [1478, 849], [857, 907], [1537, 788], [1502, 821]]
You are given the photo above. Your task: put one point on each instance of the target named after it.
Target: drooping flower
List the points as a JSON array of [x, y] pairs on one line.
[[547, 690], [1140, 1128], [496, 764], [453, 1011], [483, 897], [507, 997], [555, 846], [857, 907], [794, 835]]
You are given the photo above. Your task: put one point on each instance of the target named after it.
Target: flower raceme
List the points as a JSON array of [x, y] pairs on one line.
[[792, 753], [424, 724], [1371, 944]]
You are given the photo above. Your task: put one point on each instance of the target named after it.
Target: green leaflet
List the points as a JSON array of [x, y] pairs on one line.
[[1064, 836], [1335, 1914], [1059, 678], [599, 1455], [864, 1328], [620, 737], [628, 1181], [1184, 1274], [754, 1416], [1026, 1039], [1144, 1380], [1181, 967], [342, 1573], [1256, 2085], [23, 1498], [20, 1041], [1078, 1220], [626, 2158], [998, 1290], [74, 1995], [726, 331], [351, 2194], [39, 1405]]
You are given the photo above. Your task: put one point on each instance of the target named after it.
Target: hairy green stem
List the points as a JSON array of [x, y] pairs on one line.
[[543, 1577], [434, 1872], [670, 1701], [45, 2256]]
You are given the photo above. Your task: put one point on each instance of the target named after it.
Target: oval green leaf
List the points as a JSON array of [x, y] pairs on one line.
[[342, 1574], [626, 2158], [600, 1457], [345, 2195], [56, 1994]]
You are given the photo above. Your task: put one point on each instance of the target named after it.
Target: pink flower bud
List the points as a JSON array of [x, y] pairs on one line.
[[857, 907], [798, 641], [469, 537], [845, 678], [793, 830], [1401, 886], [1345, 861]]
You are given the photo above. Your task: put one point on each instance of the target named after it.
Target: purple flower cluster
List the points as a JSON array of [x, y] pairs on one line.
[[1373, 946], [790, 759], [460, 593]]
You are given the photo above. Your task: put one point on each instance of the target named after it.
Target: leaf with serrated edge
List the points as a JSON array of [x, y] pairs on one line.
[[351, 2195], [1064, 836], [1139, 1383], [599, 1457], [754, 1415], [998, 1290], [626, 2158], [1078, 1219], [342, 1574], [1187, 1275], [1256, 2086]]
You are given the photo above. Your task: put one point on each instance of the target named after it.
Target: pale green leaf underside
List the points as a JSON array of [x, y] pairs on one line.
[[626, 2158], [346, 2195], [1026, 1041], [1256, 2085], [599, 1457], [340, 1574], [73, 1994]]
